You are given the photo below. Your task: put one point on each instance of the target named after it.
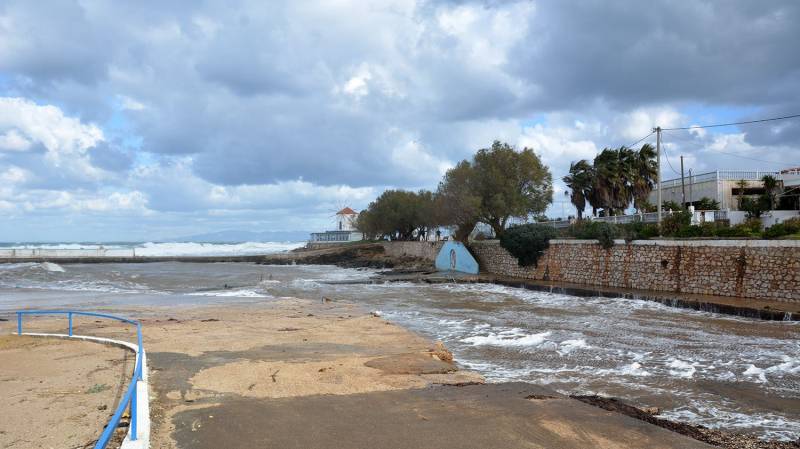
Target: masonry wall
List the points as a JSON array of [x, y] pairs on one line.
[[420, 250], [762, 269]]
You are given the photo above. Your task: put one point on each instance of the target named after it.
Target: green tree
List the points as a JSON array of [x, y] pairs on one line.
[[645, 176], [580, 181], [706, 203], [771, 189], [509, 184], [614, 172], [456, 201], [741, 184], [399, 214]]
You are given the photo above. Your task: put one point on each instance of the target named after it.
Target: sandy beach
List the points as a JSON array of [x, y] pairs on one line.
[[58, 393]]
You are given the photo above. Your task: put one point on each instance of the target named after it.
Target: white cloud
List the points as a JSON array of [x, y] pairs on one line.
[[65, 139], [12, 140]]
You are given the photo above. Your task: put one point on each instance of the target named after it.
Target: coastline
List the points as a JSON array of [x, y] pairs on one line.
[[265, 371]]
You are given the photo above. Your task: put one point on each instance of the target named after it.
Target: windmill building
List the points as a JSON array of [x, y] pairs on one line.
[[345, 229]]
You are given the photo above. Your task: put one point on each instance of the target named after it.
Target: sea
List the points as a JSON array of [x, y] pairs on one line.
[[715, 370]]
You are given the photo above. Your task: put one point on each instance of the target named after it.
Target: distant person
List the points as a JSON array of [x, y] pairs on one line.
[[438, 235]]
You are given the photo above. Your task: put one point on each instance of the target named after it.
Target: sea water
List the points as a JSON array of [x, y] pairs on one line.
[[703, 368]]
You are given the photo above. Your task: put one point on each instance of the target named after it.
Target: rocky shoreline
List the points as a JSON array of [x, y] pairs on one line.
[[715, 437]]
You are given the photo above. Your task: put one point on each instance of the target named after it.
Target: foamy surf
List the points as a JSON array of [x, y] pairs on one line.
[[510, 338]]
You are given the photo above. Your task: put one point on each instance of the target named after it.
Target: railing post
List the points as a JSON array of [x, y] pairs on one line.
[[70, 324], [19, 323], [133, 409]]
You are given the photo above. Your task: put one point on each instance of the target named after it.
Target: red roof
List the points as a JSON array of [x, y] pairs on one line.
[[347, 211]]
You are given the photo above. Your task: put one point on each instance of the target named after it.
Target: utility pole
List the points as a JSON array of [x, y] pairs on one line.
[[691, 181], [683, 184], [657, 130]]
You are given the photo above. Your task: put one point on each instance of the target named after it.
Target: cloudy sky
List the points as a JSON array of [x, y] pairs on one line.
[[149, 119]]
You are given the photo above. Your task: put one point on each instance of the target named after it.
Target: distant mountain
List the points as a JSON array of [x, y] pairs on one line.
[[231, 236]]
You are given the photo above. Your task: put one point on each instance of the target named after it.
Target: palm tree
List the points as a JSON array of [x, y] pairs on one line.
[[646, 175], [771, 189], [614, 175], [741, 184], [580, 181]]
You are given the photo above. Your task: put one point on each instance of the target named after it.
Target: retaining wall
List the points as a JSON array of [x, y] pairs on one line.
[[762, 269], [420, 250]]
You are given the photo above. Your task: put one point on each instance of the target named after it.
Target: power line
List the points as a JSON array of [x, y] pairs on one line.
[[666, 157], [645, 137], [732, 124]]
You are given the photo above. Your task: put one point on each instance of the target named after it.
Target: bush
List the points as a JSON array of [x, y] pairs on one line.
[[672, 224], [740, 230], [638, 231], [527, 242], [788, 227], [752, 224], [599, 230]]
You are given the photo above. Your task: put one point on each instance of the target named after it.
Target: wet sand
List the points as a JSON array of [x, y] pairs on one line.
[[58, 393]]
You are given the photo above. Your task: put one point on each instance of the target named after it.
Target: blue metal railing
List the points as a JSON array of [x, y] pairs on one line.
[[129, 399]]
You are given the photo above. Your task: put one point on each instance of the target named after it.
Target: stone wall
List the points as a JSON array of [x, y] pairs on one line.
[[763, 269], [420, 250]]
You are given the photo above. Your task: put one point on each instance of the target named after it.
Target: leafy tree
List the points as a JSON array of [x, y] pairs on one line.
[[755, 206], [399, 214], [510, 184], [499, 183], [456, 200]]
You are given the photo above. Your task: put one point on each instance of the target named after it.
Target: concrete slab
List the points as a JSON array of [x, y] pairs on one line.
[[509, 416]]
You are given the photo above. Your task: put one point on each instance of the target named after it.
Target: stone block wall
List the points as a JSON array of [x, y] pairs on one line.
[[420, 250], [762, 269]]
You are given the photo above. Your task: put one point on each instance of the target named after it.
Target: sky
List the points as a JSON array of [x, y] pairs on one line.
[[143, 120]]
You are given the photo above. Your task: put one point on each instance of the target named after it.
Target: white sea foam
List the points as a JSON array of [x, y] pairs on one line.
[[567, 346], [681, 368], [234, 293], [151, 249], [754, 371], [633, 369], [510, 338], [214, 249], [52, 267]]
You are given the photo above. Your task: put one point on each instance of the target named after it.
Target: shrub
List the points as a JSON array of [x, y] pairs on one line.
[[671, 224], [739, 230], [639, 231], [752, 224], [599, 230], [788, 227], [527, 242]]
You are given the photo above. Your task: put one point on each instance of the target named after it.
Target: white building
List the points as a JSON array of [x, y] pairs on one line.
[[345, 229], [720, 185]]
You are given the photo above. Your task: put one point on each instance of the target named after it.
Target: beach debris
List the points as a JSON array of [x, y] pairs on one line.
[[274, 374], [209, 320], [326, 299], [440, 352], [102, 407], [289, 329], [653, 411], [376, 313]]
